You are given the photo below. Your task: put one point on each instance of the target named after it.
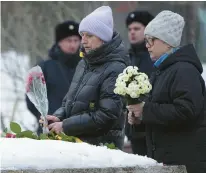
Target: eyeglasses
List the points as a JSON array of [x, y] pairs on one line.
[[150, 41]]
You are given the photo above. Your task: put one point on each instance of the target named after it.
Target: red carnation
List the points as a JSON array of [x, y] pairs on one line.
[[29, 82], [10, 135], [43, 80]]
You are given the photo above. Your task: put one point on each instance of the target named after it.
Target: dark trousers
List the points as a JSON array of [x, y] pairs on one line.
[[139, 146]]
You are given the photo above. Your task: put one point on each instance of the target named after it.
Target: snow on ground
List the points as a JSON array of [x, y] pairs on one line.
[[28, 153]]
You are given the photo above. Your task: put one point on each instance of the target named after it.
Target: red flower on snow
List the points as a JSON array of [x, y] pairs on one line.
[[10, 135]]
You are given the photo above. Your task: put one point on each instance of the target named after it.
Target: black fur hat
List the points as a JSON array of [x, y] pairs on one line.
[[66, 29], [143, 17]]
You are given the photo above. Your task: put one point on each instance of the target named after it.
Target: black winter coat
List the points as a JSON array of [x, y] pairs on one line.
[[58, 72], [91, 110], [174, 115], [139, 57]]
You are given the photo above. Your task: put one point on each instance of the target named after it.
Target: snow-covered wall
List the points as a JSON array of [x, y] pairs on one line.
[[45, 156], [66, 155]]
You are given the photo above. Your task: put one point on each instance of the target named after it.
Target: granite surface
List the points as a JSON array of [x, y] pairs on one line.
[[152, 169]]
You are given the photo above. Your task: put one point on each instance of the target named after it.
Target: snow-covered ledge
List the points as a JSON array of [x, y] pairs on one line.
[[50, 156], [154, 169]]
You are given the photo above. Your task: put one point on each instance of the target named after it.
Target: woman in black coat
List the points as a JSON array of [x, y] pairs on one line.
[[91, 110], [174, 113]]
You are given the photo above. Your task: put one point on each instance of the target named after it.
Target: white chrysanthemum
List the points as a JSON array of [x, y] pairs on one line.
[[149, 88], [120, 88], [131, 70], [120, 91], [123, 77], [138, 83], [134, 82], [116, 91], [121, 74], [120, 84], [126, 69], [136, 68], [143, 75], [126, 78], [143, 90], [140, 78], [146, 86], [134, 95], [133, 88]]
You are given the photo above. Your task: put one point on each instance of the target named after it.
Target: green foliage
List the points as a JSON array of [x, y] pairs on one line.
[[43, 137], [15, 127], [111, 146], [26, 134]]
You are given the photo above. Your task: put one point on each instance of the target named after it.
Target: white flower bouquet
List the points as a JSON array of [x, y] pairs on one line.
[[133, 85]]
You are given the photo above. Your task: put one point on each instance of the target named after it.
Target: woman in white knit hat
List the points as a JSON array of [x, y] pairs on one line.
[[91, 110], [174, 113]]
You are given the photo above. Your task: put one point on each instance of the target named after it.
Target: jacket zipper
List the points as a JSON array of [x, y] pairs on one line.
[[77, 87]]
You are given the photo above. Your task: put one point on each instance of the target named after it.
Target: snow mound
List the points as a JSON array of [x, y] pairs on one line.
[[51, 154]]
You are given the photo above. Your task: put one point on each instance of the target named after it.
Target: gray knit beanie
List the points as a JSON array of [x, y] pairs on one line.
[[166, 26], [99, 23]]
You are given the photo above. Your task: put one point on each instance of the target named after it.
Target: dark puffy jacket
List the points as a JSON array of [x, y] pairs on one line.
[[58, 72], [91, 110], [174, 115], [139, 57]]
